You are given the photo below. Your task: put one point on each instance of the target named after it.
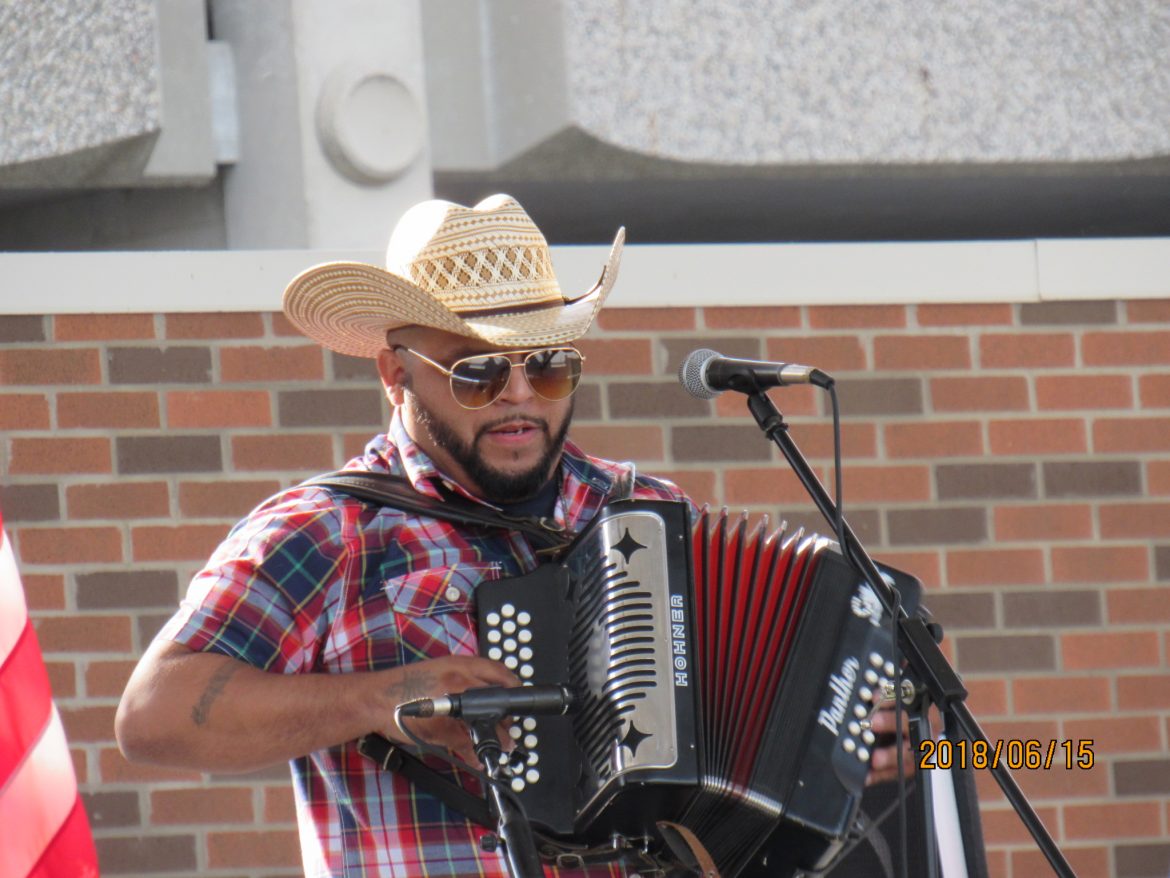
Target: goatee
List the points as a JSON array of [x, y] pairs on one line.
[[497, 485]]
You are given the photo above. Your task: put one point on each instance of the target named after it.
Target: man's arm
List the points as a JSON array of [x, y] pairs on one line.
[[210, 712]]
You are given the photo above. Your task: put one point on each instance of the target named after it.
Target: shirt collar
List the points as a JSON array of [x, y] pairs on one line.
[[586, 481]]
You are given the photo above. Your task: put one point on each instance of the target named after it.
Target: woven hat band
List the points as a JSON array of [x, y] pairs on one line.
[[521, 275]]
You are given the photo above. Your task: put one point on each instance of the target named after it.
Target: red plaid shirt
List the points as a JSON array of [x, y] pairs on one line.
[[317, 582]]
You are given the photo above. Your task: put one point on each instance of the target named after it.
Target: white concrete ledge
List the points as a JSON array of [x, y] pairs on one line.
[[651, 275]]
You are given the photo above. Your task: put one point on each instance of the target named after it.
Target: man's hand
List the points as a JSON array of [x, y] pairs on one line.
[[883, 765], [433, 678]]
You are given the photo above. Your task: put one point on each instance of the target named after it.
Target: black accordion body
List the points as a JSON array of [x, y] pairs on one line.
[[723, 677]]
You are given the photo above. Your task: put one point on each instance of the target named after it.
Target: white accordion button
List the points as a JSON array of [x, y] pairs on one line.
[[532, 775], [889, 669], [494, 636], [849, 745], [529, 723], [865, 693], [515, 732], [508, 610], [530, 742], [868, 736], [510, 644], [495, 653], [526, 671], [525, 635], [511, 662], [526, 653], [863, 754], [871, 677], [533, 758], [518, 784], [509, 626], [854, 728], [493, 619], [859, 710], [523, 618]]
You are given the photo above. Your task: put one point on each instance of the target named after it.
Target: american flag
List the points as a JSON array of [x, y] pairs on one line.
[[44, 831]]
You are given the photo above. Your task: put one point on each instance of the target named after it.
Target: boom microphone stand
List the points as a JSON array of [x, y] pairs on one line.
[[917, 645], [513, 827]]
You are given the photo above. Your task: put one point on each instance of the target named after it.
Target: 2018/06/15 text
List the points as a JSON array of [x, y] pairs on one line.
[[1015, 753]]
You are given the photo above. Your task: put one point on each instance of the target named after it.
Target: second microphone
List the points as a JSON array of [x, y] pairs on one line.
[[493, 702]]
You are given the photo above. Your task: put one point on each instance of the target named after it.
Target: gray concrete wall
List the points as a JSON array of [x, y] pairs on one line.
[[873, 81]]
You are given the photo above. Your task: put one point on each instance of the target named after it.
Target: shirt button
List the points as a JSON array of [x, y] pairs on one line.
[[452, 594]]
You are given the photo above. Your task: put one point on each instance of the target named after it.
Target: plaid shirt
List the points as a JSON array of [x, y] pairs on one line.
[[318, 582]]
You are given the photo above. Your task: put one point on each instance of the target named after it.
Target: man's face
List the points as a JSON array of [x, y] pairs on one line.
[[504, 452]]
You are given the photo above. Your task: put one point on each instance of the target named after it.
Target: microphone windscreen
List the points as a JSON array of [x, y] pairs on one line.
[[690, 374]]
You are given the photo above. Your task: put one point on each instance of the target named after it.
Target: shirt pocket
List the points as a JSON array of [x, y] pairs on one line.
[[434, 610]]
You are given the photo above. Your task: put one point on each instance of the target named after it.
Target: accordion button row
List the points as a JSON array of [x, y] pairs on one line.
[[880, 663], [861, 752]]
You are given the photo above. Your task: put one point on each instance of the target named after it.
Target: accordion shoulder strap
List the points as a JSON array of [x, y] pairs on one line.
[[391, 757], [687, 848], [397, 492]]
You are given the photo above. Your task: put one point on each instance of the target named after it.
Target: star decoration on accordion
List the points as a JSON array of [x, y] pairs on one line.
[[627, 545], [634, 736]]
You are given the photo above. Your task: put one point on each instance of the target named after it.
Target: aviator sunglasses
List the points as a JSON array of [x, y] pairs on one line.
[[478, 381]]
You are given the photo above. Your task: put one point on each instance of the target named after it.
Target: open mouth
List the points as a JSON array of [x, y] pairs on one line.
[[514, 433]]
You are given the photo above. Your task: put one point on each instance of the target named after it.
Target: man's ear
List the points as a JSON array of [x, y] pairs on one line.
[[393, 374]]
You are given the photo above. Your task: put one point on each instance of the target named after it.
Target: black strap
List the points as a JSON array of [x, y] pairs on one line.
[[393, 758], [397, 492]]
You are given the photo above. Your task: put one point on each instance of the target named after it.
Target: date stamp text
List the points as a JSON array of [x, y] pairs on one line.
[[1014, 753]]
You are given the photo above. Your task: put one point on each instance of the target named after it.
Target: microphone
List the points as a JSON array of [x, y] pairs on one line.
[[494, 702], [706, 373]]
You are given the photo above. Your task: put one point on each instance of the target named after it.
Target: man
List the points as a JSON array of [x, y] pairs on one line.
[[320, 613]]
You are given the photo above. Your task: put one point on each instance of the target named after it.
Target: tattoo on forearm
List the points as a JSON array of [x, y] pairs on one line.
[[215, 687], [414, 684]]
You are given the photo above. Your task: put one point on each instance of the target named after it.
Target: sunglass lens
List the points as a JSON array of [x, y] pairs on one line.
[[553, 374], [477, 381]]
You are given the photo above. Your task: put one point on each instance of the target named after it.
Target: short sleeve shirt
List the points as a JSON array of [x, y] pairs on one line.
[[314, 581]]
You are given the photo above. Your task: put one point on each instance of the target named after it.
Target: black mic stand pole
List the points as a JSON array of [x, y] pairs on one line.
[[914, 638], [513, 827]]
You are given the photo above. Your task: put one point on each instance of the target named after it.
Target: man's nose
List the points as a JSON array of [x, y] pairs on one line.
[[517, 390]]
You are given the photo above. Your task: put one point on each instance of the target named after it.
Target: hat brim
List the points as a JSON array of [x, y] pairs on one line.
[[349, 306]]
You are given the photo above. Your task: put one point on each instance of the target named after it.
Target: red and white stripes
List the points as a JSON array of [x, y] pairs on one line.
[[44, 826]]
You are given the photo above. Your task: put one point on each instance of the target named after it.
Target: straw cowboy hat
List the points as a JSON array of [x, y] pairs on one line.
[[483, 272]]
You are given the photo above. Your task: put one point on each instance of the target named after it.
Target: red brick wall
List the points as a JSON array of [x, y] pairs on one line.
[[1016, 457]]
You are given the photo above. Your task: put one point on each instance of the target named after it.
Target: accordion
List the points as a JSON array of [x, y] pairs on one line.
[[723, 675]]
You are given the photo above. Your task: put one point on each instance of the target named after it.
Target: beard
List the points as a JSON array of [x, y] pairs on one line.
[[497, 485]]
